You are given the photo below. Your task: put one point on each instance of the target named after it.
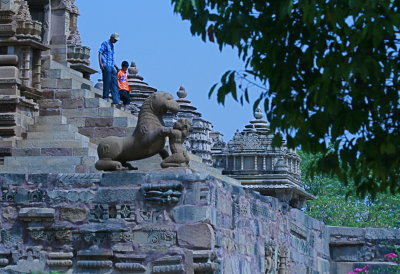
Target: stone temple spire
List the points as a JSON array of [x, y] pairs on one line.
[[258, 125], [250, 158], [199, 141], [140, 89]]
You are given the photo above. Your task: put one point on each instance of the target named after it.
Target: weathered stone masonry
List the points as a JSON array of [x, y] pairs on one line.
[[171, 221]]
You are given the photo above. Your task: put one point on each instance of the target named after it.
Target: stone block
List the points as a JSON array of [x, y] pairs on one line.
[[65, 83], [196, 236], [36, 214], [73, 103], [115, 179], [78, 122], [39, 179], [25, 151], [50, 103], [124, 122], [82, 112], [106, 112], [9, 72], [73, 214], [110, 131], [376, 234], [71, 196], [56, 152], [49, 112], [89, 132], [96, 103], [78, 180], [50, 120], [12, 179], [189, 213], [111, 195], [73, 93], [99, 122], [10, 213]]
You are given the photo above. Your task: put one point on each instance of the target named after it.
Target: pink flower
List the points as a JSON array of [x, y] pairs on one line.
[[358, 269], [391, 255], [351, 272]]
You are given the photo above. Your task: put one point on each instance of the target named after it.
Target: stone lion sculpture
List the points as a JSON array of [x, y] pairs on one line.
[[147, 140]]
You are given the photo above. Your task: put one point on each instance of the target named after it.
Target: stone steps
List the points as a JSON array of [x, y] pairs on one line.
[[52, 145], [58, 76], [96, 118]]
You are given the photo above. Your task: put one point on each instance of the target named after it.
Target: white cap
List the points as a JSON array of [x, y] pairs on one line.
[[115, 36]]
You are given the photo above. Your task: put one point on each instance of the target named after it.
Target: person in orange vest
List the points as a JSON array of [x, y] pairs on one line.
[[124, 88]]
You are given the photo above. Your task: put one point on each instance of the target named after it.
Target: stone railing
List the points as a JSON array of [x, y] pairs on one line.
[[78, 54], [29, 30]]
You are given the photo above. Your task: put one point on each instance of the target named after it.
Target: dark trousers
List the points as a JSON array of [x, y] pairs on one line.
[[124, 95], [110, 82]]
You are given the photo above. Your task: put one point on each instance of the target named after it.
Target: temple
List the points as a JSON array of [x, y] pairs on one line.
[[237, 208]]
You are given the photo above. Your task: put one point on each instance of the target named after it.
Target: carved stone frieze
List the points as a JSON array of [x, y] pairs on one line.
[[59, 263], [169, 264], [102, 212], [122, 236], [10, 238], [149, 215], [62, 234], [99, 212], [136, 267], [162, 194], [23, 196], [204, 261], [94, 264], [130, 262]]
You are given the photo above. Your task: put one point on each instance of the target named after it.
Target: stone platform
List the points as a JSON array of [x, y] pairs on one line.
[[164, 221]]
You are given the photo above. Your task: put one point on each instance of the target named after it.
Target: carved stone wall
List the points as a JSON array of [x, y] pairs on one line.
[[173, 221]]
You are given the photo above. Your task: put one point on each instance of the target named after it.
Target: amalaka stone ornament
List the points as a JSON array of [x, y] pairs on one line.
[[147, 140]]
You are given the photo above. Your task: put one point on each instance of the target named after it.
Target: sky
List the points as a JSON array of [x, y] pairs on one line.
[[166, 54]]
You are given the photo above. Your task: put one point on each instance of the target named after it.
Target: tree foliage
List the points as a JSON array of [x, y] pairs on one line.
[[337, 204], [327, 73]]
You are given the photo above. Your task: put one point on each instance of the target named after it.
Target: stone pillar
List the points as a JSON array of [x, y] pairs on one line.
[[264, 163], [59, 29], [36, 69], [25, 65]]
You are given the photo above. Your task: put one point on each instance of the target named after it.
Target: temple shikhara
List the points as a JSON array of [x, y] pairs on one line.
[[236, 207]]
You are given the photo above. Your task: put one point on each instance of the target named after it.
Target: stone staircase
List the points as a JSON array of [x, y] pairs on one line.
[[72, 119], [68, 94], [52, 146]]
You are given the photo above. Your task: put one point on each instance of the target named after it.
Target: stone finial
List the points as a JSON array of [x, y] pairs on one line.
[[23, 11], [258, 114], [133, 70], [181, 92]]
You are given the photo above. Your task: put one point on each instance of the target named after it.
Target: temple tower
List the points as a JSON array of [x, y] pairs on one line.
[[251, 159]]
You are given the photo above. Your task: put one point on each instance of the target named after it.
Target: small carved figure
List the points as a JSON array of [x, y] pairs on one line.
[[270, 258], [179, 156], [147, 140]]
